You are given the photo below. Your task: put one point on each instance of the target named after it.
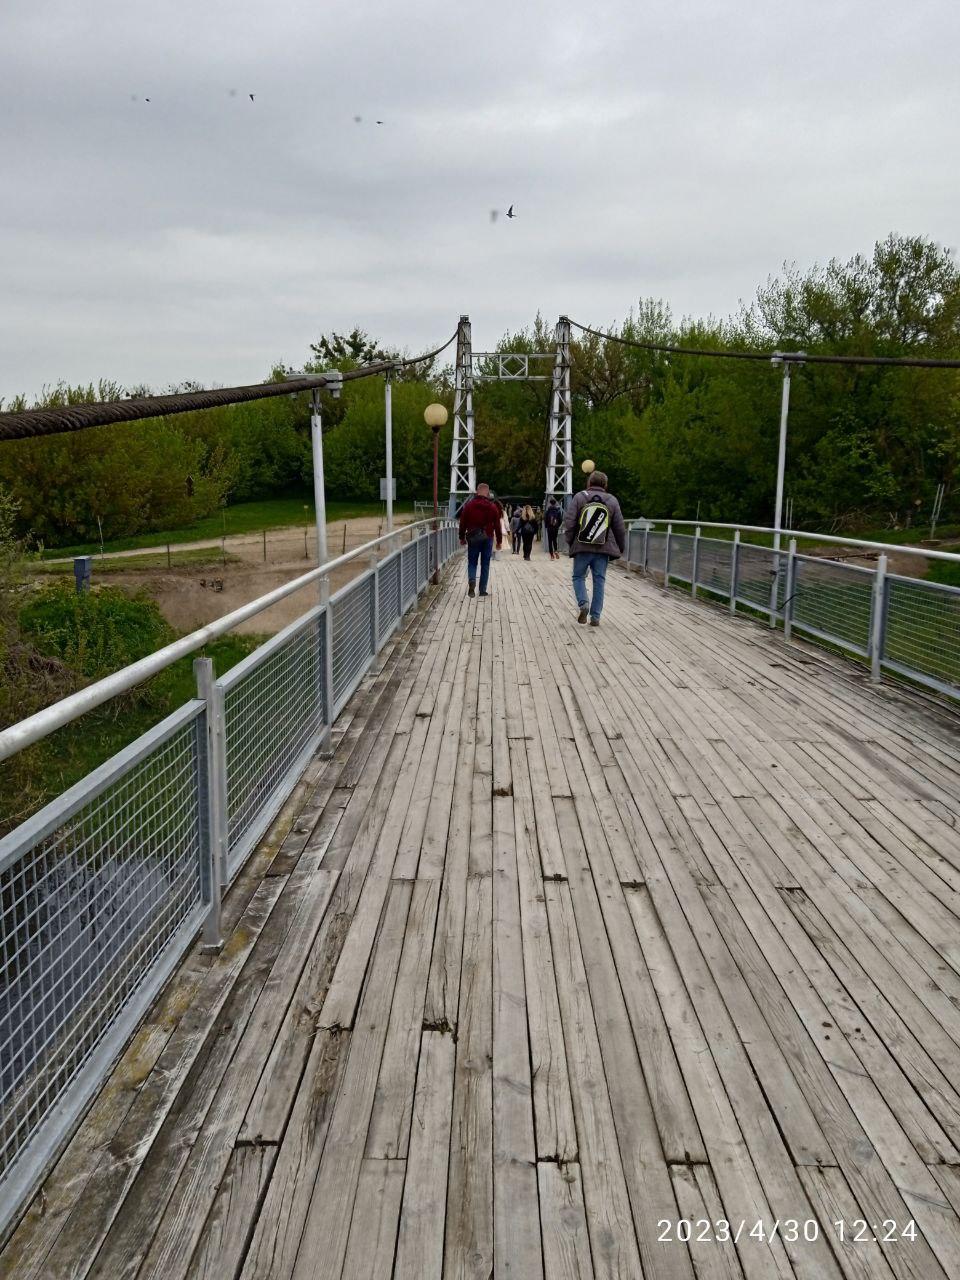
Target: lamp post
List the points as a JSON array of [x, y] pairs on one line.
[[783, 360], [388, 422], [435, 416]]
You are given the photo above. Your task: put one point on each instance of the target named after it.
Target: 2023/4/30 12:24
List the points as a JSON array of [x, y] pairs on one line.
[[791, 1230]]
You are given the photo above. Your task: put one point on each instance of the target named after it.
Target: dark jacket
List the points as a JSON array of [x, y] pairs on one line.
[[616, 542], [480, 513]]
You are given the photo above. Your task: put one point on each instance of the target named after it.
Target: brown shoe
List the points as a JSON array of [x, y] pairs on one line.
[[594, 622]]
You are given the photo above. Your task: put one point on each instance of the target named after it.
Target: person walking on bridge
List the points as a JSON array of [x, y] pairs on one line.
[[528, 530], [596, 534], [480, 527], [553, 523]]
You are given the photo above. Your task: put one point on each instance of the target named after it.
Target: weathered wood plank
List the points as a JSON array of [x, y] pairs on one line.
[[566, 1244], [423, 1214], [376, 1212]]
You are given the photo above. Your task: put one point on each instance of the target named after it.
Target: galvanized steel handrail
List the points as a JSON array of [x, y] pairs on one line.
[[807, 536], [38, 726]]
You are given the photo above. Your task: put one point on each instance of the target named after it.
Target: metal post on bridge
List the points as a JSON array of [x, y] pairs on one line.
[[878, 619], [696, 562], [734, 569], [783, 360], [790, 590], [666, 557], [213, 792], [388, 424]]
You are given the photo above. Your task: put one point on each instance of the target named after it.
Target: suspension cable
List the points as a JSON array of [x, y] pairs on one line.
[[786, 357], [77, 417]]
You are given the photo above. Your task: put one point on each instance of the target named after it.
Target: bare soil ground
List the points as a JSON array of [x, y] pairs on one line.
[[191, 595]]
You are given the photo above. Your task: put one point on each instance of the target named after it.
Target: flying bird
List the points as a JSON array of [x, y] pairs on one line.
[[510, 213], [379, 122], [250, 96]]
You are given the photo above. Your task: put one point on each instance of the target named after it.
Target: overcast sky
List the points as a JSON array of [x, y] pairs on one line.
[[681, 149]]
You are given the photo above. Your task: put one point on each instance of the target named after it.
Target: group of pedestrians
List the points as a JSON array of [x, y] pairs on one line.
[[592, 526]]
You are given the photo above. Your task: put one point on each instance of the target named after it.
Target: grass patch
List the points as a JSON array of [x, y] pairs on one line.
[[196, 559], [67, 756], [245, 517]]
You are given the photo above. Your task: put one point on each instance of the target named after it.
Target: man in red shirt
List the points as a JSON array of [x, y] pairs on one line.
[[480, 526]]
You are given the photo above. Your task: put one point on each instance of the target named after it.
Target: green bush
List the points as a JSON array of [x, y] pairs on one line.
[[96, 632]]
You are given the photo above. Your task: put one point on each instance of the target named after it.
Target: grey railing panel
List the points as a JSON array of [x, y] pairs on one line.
[[922, 633], [714, 564], [907, 626], [391, 606], [757, 567], [681, 557], [274, 711], [97, 892], [352, 610], [832, 601]]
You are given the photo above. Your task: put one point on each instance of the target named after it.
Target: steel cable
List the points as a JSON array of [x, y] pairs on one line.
[[29, 423], [792, 357]]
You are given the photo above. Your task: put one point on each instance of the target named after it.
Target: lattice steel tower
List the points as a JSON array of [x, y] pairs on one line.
[[560, 464], [463, 468]]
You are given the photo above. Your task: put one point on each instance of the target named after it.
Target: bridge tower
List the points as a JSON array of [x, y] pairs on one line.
[[560, 463], [463, 467]]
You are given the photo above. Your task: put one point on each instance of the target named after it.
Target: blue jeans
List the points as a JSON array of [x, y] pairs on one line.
[[597, 564], [481, 551]]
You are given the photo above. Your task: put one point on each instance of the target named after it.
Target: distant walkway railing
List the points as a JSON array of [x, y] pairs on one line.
[[896, 623], [104, 890]]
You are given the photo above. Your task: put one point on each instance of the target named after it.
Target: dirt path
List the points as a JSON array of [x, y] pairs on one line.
[[192, 595]]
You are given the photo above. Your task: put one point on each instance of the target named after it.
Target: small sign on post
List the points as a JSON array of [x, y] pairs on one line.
[[383, 489], [82, 566]]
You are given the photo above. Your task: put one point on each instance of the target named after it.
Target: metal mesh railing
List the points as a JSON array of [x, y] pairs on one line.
[[656, 552], [352, 610], [94, 890], [391, 606], [917, 633], [103, 891], [714, 565], [681, 557], [408, 572], [274, 710], [757, 569], [832, 601], [922, 632]]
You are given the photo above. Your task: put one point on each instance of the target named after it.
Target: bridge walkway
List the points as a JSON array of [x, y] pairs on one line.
[[575, 934]]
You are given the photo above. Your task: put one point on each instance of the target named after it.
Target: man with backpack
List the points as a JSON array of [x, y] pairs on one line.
[[596, 534], [553, 522], [480, 525]]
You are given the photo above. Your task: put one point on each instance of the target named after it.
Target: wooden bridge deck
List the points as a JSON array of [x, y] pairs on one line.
[[579, 932]]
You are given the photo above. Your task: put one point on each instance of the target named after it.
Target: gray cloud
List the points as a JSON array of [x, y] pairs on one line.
[[681, 150]]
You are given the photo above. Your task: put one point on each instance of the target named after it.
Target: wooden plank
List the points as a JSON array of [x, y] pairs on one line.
[[555, 1130], [327, 1226], [710, 1065], [229, 1225], [423, 1214], [712, 1250], [834, 1203], [468, 1248], [613, 1239], [187, 1051], [376, 1212], [516, 1211], [205, 1161], [566, 1243], [279, 1227], [389, 1133]]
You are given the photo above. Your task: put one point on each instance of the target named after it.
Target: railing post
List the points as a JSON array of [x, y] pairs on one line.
[[666, 558], [790, 589], [213, 870], [646, 545], [734, 567], [696, 562], [327, 632], [878, 618], [375, 609]]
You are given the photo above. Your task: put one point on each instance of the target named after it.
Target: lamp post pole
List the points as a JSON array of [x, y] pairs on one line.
[[435, 415], [776, 359], [388, 416]]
